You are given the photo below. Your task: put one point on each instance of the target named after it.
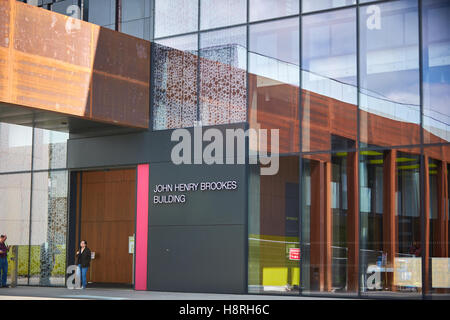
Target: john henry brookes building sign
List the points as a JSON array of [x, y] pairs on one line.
[[163, 193]]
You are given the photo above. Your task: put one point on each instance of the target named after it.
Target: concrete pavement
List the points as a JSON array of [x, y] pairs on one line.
[[56, 293]]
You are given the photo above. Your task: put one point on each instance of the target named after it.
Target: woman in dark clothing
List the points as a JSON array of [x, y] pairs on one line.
[[83, 261]]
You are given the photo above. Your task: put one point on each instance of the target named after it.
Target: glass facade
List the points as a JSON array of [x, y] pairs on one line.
[[316, 5], [389, 73], [220, 13], [269, 9], [223, 67], [48, 228], [274, 81], [390, 222], [135, 19], [329, 223], [436, 70], [357, 91], [273, 242], [175, 82], [329, 83], [102, 13], [184, 12], [15, 147], [436, 258], [33, 202]]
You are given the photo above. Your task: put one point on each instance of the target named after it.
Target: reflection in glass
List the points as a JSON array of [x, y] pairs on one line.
[[220, 13], [330, 228], [102, 12], [390, 222], [175, 17], [48, 229], [15, 192], [268, 9], [135, 28], [274, 81], [437, 257], [329, 92], [50, 149], [175, 83], [223, 64], [15, 147], [136, 18], [389, 74], [135, 9], [273, 229], [314, 5], [62, 6], [436, 70]]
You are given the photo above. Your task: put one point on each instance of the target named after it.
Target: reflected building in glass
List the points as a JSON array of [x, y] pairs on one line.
[[359, 92]]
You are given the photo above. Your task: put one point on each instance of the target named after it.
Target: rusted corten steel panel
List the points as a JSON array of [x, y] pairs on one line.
[[4, 43], [56, 63]]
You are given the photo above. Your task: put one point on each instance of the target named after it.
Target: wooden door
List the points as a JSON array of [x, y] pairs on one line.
[[107, 220]]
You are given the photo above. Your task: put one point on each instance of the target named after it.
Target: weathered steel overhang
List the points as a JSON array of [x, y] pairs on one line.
[[60, 73]]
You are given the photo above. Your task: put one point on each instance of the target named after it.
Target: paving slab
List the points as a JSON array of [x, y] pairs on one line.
[[52, 293]]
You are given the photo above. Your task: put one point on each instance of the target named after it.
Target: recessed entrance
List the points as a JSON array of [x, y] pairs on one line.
[[104, 215]]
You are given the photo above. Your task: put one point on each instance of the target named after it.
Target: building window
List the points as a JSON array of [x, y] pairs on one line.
[[223, 65], [274, 230], [389, 73], [175, 17]]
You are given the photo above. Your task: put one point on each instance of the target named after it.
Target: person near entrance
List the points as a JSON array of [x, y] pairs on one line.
[[83, 261], [3, 260]]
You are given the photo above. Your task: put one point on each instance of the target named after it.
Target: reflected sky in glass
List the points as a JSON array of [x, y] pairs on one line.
[[315, 5], [329, 54], [274, 50], [175, 17], [219, 13], [436, 73], [329, 45], [389, 51], [268, 9]]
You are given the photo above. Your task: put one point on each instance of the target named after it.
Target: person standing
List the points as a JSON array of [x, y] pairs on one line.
[[3, 260], [83, 261]]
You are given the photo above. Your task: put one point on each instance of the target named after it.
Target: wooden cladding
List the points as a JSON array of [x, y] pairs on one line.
[[108, 209], [56, 63]]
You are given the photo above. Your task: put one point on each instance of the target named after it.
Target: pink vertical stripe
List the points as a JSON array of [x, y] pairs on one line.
[[140, 276]]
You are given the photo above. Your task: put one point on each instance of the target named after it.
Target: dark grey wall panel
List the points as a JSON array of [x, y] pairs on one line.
[[197, 259], [196, 246], [201, 207], [126, 149], [118, 150]]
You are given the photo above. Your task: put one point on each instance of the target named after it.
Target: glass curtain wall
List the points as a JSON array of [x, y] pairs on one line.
[[223, 65], [175, 82], [274, 82], [436, 249], [273, 241], [389, 74], [436, 70], [329, 82], [135, 19], [33, 202], [329, 122], [330, 223], [200, 77], [353, 142]]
